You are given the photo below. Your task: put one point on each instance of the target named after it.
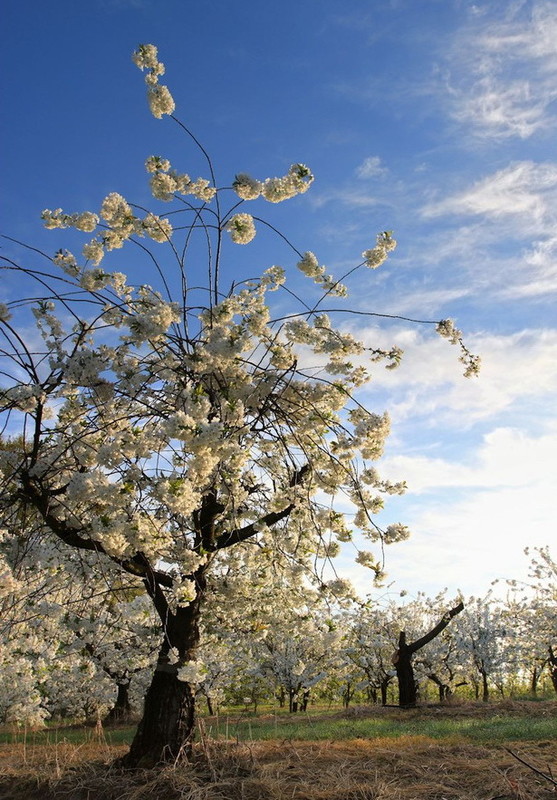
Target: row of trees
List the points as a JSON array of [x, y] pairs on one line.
[[71, 654], [152, 433]]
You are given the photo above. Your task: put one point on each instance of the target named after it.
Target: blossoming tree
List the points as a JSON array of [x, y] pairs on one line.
[[161, 427]]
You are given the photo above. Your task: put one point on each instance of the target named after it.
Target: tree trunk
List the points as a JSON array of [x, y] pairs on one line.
[[293, 701], [402, 659], [485, 687], [121, 710], [407, 688], [552, 663], [167, 729], [384, 687]]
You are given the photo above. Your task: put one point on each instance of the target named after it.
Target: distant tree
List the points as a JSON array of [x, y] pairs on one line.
[[158, 433], [402, 658]]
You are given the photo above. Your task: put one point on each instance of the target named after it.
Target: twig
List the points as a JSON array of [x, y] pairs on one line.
[[537, 771]]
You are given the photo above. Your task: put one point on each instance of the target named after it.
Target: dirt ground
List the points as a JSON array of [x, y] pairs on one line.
[[407, 768]]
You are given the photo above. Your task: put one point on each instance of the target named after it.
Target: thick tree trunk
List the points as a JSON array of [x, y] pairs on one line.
[[384, 688], [121, 710], [407, 688], [167, 729]]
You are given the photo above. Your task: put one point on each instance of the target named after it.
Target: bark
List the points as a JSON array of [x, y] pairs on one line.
[[552, 663], [407, 686], [166, 731], [293, 701], [121, 711]]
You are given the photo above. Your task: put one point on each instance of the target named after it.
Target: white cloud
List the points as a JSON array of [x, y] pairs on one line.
[[506, 458], [523, 189], [503, 71], [482, 514], [371, 167], [516, 369]]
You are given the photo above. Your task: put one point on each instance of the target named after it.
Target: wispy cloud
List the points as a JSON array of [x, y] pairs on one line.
[[517, 369], [371, 167], [523, 189], [503, 71]]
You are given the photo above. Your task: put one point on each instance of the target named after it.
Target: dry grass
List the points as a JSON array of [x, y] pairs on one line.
[[407, 768]]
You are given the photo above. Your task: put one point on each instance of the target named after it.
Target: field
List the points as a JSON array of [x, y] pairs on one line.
[[505, 751]]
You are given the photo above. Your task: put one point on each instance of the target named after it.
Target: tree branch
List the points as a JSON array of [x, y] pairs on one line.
[[419, 643]]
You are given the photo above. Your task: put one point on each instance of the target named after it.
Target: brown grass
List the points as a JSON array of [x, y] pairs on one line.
[[407, 768]]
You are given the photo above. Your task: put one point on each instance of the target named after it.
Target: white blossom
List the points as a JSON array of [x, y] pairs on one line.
[[241, 228]]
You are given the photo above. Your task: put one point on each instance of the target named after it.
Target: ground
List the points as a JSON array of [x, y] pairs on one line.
[[402, 766]]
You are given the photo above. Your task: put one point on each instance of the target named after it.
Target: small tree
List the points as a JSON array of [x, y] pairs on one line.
[[402, 659], [160, 428]]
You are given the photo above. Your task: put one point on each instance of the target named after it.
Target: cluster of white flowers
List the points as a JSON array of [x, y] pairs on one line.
[[183, 591], [447, 329], [369, 432], [273, 277], [192, 672], [67, 262], [241, 228], [121, 224], [246, 187], [5, 314], [166, 182], [85, 221], [297, 180], [152, 316], [366, 559], [396, 533], [377, 255], [310, 266], [371, 477], [25, 397], [159, 230], [158, 95]]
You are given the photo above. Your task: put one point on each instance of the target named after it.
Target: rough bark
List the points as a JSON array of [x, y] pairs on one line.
[[166, 730], [165, 733]]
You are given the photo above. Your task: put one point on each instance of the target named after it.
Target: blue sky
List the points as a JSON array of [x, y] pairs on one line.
[[434, 118]]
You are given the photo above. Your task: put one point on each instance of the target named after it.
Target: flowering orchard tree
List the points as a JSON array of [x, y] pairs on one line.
[[158, 429]]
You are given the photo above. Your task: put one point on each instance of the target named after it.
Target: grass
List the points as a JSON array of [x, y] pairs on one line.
[[458, 753], [322, 727]]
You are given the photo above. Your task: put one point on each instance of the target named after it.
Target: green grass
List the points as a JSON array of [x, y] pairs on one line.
[[494, 729], [320, 726], [73, 735]]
